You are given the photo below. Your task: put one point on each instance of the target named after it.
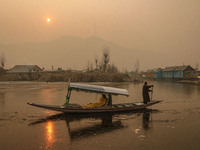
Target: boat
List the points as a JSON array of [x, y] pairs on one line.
[[198, 82], [100, 107]]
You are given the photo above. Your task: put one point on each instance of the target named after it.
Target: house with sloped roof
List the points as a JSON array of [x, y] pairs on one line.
[[158, 74], [2, 70], [24, 69], [168, 72], [184, 72], [179, 72], [150, 73]]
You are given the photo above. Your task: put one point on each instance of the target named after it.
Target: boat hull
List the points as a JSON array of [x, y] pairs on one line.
[[77, 109]]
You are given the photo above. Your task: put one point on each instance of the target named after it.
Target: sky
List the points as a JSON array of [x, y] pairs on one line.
[[171, 27]]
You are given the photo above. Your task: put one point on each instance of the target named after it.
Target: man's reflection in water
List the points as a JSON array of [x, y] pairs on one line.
[[2, 98], [145, 120]]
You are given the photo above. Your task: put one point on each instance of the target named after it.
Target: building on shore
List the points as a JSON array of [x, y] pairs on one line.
[[157, 74], [176, 72], [24, 69], [150, 73], [2, 70]]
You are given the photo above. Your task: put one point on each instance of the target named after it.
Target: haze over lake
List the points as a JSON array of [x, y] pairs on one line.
[[59, 35], [68, 34]]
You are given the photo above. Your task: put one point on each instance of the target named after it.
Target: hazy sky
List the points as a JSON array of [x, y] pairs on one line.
[[171, 26]]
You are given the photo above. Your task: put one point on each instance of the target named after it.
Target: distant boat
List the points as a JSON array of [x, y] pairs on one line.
[[198, 82], [104, 106]]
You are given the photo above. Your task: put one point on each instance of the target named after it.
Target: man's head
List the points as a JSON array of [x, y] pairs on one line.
[[145, 82], [104, 95]]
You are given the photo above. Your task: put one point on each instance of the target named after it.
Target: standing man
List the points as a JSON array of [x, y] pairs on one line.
[[145, 92]]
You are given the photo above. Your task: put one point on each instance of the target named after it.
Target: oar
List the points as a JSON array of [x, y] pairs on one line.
[[152, 93]]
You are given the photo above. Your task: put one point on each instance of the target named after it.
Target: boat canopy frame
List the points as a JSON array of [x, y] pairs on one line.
[[95, 89]]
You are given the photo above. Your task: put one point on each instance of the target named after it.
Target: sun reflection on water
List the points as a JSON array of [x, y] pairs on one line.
[[49, 133]]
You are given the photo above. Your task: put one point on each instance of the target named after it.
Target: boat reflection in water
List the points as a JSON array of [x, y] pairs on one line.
[[106, 125], [102, 123]]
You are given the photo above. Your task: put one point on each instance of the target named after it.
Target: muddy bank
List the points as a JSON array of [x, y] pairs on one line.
[[185, 81], [74, 76]]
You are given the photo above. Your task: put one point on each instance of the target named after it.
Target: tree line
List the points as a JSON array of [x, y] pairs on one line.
[[2, 60], [103, 65]]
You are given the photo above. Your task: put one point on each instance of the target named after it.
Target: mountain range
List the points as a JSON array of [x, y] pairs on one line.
[[75, 53]]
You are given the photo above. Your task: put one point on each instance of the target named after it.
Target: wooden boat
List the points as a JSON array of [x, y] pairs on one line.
[[106, 108]]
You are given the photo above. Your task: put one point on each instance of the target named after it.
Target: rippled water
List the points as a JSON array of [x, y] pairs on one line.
[[172, 124]]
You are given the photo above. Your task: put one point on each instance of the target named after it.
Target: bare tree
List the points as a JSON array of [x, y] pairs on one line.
[[96, 63], [89, 66], [137, 67], [2, 60], [124, 70], [106, 58], [197, 66], [112, 68]]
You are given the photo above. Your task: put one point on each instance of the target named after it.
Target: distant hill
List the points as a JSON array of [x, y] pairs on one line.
[[73, 52]]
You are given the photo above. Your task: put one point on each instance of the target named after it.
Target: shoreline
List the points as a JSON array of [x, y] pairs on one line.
[[73, 76], [78, 76], [185, 81]]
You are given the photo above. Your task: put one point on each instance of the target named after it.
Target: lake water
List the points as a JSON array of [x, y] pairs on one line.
[[173, 124]]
